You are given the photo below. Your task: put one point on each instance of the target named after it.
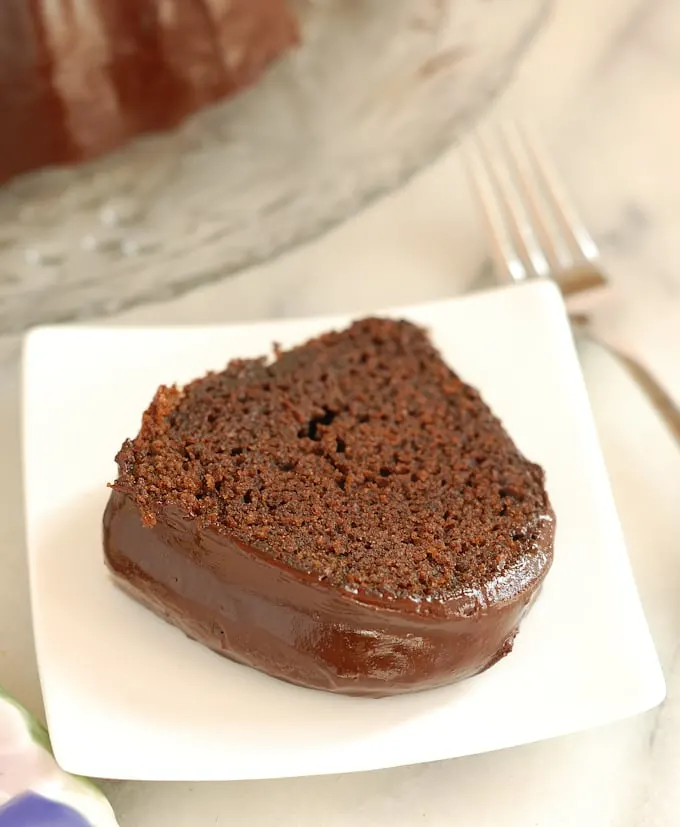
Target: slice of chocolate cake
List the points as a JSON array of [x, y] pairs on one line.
[[349, 517]]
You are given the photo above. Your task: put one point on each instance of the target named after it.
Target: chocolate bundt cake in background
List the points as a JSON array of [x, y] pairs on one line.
[[349, 517], [81, 77]]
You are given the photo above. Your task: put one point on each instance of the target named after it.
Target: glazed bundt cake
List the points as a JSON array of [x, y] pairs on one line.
[[81, 77]]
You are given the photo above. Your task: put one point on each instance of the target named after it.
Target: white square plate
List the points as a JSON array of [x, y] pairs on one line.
[[128, 696]]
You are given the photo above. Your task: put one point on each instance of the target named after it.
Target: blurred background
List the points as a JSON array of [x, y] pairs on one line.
[[374, 99], [349, 139]]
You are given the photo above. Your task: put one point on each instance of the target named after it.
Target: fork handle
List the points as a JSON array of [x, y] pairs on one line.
[[657, 395]]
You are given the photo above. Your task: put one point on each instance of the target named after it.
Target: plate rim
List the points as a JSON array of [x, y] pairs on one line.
[[39, 337]]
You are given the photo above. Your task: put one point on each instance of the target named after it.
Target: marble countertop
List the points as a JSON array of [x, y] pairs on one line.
[[604, 83]]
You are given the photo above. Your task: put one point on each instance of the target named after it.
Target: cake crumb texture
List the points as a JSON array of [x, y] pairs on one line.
[[360, 457]]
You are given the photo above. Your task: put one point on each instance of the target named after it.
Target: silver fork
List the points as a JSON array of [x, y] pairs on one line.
[[535, 232]]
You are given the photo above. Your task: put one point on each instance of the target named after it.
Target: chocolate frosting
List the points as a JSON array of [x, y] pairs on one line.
[[76, 83], [258, 611]]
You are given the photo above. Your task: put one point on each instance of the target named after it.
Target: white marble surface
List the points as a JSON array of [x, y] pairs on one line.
[[604, 82]]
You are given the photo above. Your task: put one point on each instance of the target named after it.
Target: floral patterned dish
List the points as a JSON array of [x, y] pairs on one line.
[[34, 791]]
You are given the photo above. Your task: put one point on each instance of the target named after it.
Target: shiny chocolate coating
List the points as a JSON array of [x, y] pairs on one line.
[[257, 611], [78, 80]]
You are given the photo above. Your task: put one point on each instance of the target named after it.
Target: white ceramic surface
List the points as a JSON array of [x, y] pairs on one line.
[[127, 696]]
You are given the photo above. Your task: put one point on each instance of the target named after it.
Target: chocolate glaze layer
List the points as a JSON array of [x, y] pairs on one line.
[[77, 83], [257, 611]]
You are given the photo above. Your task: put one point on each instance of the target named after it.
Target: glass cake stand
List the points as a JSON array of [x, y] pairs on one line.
[[378, 89]]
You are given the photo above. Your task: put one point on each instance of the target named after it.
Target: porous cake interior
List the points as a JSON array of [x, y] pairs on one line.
[[359, 456]]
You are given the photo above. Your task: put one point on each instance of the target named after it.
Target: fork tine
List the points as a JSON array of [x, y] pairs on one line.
[[533, 229], [480, 174], [517, 213], [580, 241], [546, 227], [505, 208]]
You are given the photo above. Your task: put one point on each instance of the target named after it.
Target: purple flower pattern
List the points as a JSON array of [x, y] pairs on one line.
[[32, 810]]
